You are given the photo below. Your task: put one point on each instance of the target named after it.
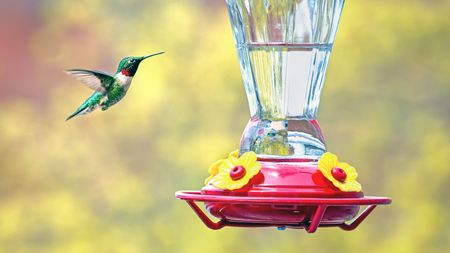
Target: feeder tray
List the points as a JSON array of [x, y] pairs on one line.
[[285, 195], [319, 205]]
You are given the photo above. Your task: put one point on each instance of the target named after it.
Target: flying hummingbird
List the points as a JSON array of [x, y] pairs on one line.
[[108, 89]]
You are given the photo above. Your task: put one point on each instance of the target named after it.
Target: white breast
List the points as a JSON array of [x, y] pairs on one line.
[[124, 80]]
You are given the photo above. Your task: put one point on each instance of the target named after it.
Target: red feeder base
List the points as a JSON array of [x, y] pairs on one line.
[[285, 195], [311, 213]]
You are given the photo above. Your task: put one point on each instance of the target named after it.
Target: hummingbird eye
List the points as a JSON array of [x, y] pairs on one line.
[[132, 61]]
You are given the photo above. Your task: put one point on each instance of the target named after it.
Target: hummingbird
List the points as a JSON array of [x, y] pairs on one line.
[[108, 89]]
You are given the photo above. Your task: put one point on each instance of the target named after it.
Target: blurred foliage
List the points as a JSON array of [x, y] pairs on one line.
[[106, 182]]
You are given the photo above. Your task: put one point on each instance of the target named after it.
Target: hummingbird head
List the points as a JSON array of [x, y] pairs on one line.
[[129, 65]]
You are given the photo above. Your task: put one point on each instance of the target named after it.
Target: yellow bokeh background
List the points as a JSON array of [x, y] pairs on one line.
[[105, 182]]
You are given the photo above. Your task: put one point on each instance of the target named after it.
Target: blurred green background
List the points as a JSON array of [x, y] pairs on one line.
[[106, 182]]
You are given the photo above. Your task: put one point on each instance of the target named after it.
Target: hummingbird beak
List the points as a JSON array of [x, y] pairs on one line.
[[150, 55]]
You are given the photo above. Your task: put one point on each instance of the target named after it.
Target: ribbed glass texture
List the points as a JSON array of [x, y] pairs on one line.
[[284, 48]]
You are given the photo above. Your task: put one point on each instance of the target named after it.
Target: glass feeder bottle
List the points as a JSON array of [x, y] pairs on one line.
[[284, 48]]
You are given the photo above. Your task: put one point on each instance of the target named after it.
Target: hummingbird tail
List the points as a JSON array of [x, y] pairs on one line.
[[71, 116], [89, 105], [76, 113]]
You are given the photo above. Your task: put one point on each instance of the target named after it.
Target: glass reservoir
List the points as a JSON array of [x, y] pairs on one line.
[[284, 48]]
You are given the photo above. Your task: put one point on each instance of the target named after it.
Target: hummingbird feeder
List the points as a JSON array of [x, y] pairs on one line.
[[282, 175]]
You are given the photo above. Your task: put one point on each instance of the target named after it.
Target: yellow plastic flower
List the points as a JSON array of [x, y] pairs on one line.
[[235, 173], [214, 167], [342, 175], [234, 153]]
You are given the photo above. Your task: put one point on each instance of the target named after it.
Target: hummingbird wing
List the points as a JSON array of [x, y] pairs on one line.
[[96, 80]]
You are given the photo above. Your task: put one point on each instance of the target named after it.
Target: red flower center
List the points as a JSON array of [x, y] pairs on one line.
[[237, 172], [339, 174]]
